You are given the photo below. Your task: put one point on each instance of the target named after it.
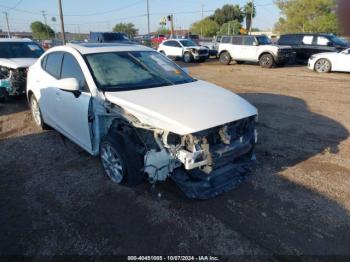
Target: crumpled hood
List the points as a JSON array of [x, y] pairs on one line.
[[185, 108], [15, 63]]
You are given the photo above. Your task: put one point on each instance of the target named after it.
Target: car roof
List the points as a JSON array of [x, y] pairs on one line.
[[19, 40], [306, 34], [91, 48]]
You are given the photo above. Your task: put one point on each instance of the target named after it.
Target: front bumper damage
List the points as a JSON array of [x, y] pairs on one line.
[[231, 164], [13, 81]]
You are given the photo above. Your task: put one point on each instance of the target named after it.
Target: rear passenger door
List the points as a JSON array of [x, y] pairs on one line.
[[237, 48], [308, 47], [173, 48], [51, 70], [249, 50]]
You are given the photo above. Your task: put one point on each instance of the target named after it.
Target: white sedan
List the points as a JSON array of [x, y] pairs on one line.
[[144, 116], [184, 49], [332, 61]]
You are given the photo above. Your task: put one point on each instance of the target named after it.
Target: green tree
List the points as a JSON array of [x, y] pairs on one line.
[[249, 12], [230, 28], [228, 13], [41, 31], [307, 16], [205, 27], [127, 28], [163, 31]]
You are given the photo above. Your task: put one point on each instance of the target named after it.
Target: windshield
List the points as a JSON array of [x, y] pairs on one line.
[[20, 50], [187, 43], [338, 41], [119, 71], [264, 40]]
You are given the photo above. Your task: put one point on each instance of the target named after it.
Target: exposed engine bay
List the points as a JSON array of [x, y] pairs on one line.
[[203, 164], [12, 81]]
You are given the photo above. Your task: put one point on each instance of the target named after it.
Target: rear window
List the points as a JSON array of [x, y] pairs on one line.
[[237, 40], [20, 50]]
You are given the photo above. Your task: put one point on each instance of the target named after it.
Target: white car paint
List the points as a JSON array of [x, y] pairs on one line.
[[186, 108], [15, 63], [179, 50], [340, 61]]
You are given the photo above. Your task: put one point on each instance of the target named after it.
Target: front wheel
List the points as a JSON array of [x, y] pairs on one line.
[[267, 61], [323, 66], [188, 58], [4, 95], [225, 58]]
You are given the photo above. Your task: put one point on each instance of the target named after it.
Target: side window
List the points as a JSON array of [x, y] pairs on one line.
[[71, 68], [248, 40], [43, 62], [53, 64], [177, 44], [225, 39], [237, 40], [307, 40], [290, 40], [322, 41], [167, 43]]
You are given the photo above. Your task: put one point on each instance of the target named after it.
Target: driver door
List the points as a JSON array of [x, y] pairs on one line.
[[72, 109]]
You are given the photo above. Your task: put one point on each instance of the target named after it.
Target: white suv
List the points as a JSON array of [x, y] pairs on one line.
[[184, 49], [144, 116], [253, 49]]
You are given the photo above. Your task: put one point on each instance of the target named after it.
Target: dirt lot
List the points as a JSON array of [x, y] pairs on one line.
[[55, 198]]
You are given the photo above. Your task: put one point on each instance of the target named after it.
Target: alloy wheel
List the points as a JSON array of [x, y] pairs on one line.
[[112, 163]]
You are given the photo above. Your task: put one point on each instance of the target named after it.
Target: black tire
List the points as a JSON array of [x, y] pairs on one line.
[[225, 58], [187, 57], [323, 65], [130, 161], [201, 60], [36, 113], [267, 61], [4, 95]]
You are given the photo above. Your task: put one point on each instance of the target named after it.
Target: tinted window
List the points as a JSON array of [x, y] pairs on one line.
[[71, 68], [237, 40], [171, 43], [53, 64], [264, 40], [187, 43], [290, 40], [248, 40], [20, 50], [226, 39]]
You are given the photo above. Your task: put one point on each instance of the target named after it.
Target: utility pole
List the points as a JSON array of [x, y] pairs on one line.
[[148, 25], [8, 26], [251, 17], [202, 20], [171, 20], [62, 22]]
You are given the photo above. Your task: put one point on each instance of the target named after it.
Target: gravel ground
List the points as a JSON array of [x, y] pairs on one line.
[[56, 200]]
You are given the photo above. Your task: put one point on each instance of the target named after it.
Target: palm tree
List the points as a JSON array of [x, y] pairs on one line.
[[249, 12]]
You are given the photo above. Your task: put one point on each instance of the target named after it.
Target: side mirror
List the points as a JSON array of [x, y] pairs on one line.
[[69, 85], [185, 69]]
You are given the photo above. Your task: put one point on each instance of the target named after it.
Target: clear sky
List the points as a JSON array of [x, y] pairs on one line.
[[101, 15]]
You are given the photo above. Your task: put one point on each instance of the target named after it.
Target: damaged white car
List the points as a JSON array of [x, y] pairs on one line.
[[144, 116], [16, 55]]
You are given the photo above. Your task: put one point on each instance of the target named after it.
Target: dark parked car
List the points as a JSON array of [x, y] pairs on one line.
[[109, 37], [305, 45]]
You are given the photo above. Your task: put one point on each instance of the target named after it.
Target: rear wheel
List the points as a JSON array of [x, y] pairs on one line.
[[36, 113], [225, 58], [323, 66], [267, 61]]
